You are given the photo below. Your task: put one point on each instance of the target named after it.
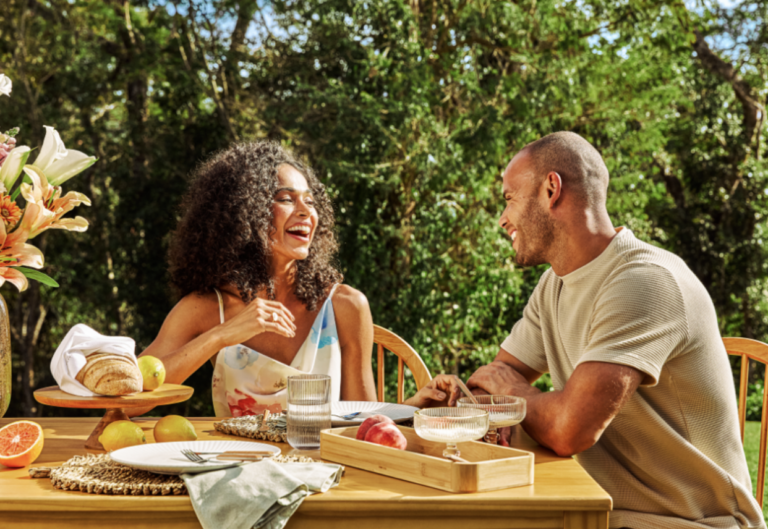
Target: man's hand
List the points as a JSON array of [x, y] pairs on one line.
[[499, 378]]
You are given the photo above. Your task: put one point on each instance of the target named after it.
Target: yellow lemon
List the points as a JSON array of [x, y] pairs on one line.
[[152, 371], [174, 428], [121, 434]]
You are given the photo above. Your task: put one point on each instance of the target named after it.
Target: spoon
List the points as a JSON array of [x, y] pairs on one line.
[[465, 389]]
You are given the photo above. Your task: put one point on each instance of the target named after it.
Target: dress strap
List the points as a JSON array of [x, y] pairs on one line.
[[333, 289], [221, 304]]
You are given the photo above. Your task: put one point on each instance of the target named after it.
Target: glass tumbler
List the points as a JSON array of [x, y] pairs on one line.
[[309, 410]]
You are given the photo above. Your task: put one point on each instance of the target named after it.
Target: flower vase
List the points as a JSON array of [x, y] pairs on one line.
[[5, 358]]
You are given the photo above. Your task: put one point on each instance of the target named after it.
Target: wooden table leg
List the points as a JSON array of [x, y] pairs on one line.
[[112, 415], [585, 520]]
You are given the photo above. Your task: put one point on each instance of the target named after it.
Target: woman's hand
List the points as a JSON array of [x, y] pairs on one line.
[[443, 390], [259, 316]]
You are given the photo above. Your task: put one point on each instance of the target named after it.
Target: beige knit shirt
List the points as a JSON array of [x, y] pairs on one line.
[[672, 457]]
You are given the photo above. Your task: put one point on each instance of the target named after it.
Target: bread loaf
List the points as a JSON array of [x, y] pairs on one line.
[[111, 375]]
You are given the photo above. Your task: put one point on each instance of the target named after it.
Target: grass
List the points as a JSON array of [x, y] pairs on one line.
[[752, 449]]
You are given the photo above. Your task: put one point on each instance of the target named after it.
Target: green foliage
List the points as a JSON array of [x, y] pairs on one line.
[[752, 451], [544, 383], [755, 401], [408, 111]]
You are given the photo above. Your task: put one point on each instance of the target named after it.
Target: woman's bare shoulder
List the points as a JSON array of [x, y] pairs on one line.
[[348, 301], [197, 310], [353, 320], [196, 302]]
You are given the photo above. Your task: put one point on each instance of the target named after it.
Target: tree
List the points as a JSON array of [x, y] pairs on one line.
[[408, 111]]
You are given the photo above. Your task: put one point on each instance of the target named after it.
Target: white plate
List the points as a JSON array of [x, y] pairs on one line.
[[396, 412], [166, 458]]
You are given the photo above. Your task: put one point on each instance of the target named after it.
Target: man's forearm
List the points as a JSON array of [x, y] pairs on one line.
[[544, 421], [548, 415], [573, 420], [541, 416]]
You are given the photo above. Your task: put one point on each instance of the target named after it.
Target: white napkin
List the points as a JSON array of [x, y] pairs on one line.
[[260, 495], [72, 354]]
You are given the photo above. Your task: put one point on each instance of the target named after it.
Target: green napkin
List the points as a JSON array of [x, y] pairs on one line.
[[260, 495]]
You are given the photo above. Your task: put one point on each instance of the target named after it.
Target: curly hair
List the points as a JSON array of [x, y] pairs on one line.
[[224, 234]]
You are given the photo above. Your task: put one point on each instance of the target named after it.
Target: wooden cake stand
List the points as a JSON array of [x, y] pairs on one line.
[[165, 394]]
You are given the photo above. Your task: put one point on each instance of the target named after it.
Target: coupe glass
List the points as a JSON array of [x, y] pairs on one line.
[[450, 426], [503, 411]]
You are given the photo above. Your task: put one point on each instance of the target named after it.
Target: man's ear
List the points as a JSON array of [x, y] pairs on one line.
[[554, 187]]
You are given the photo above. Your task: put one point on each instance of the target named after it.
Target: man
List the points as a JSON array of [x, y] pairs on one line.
[[643, 393]]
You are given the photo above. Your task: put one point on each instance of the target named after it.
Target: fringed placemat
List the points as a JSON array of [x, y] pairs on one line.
[[98, 474], [253, 427]]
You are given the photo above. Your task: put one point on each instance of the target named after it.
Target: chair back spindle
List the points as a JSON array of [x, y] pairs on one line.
[[380, 365], [406, 357], [748, 350]]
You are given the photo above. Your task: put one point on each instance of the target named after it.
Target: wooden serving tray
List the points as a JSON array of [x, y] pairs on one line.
[[165, 394], [115, 406], [489, 467]]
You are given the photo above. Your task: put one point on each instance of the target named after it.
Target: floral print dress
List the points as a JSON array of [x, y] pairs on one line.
[[247, 383]]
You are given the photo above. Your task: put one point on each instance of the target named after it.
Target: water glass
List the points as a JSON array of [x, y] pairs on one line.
[[309, 410]]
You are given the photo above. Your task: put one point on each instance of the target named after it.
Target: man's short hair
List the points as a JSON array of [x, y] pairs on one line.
[[578, 163]]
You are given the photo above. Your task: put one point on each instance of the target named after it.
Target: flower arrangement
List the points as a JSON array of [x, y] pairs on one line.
[[44, 204]]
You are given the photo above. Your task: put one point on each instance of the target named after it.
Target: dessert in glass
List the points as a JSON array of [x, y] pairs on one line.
[[450, 426], [503, 411]]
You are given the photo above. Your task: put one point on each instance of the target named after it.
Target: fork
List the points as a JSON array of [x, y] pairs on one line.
[[192, 456], [348, 416]]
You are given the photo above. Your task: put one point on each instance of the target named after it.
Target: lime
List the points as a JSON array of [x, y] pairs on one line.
[[121, 434], [174, 428], [152, 371]]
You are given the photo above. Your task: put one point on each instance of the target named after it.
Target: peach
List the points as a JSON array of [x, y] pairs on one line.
[[386, 434], [371, 421]]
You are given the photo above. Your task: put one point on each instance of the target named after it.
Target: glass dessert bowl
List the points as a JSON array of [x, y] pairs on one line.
[[503, 411], [450, 426]]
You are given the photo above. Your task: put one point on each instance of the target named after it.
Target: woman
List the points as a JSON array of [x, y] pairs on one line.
[[252, 260]]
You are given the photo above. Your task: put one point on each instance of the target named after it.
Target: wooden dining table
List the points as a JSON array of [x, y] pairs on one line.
[[563, 495]]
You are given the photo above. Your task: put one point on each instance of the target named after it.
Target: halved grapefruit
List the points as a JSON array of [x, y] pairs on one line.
[[20, 443]]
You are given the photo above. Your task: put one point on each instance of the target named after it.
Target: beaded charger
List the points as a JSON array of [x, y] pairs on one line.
[[98, 474], [254, 427]]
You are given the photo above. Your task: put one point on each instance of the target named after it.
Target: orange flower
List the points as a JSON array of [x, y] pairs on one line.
[[14, 251], [51, 206], [10, 213]]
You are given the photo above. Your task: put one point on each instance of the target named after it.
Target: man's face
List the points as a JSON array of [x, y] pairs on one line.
[[525, 218]]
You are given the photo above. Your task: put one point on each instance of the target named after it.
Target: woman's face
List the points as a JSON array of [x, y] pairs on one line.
[[294, 214]]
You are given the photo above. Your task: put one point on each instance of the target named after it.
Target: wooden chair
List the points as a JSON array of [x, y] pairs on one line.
[[385, 339], [752, 350]]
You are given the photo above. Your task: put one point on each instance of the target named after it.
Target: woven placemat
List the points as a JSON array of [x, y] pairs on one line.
[[98, 474], [251, 426]]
